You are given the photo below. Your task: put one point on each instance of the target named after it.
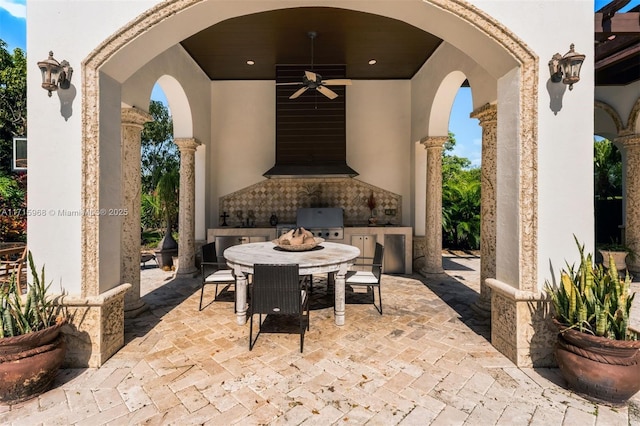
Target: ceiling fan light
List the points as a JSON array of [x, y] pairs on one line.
[[251, 62], [372, 62]]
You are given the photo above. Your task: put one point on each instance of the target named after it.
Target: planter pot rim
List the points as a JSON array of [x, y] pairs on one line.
[[19, 339], [593, 340]]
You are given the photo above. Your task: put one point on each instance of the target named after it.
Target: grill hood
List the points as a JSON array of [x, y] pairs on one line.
[[320, 217]]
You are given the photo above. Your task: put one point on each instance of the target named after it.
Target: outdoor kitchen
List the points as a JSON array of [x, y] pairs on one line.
[[336, 209]]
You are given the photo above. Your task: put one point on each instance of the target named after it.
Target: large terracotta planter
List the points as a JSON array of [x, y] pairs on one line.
[[599, 368], [29, 363]]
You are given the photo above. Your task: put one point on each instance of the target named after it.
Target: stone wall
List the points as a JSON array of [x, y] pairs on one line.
[[520, 325], [95, 329], [283, 197]]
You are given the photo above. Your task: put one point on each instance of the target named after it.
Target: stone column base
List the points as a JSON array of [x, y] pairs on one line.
[[187, 272], [482, 308], [133, 309], [429, 273], [521, 327], [96, 327]]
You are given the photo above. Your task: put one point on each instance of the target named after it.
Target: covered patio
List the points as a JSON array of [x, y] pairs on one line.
[[426, 361]]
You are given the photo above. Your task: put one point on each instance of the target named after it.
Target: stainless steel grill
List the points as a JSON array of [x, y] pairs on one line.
[[326, 222]]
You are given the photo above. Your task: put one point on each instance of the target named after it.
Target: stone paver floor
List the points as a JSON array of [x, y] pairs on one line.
[[427, 360]]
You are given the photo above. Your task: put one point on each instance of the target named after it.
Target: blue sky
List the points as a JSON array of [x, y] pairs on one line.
[[467, 131]]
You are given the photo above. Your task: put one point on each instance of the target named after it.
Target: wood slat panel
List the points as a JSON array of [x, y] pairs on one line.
[[312, 127]]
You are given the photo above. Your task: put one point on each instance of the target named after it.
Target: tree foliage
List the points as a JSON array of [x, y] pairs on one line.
[[13, 102], [460, 200], [13, 122], [13, 207], [159, 154], [160, 169], [607, 163]]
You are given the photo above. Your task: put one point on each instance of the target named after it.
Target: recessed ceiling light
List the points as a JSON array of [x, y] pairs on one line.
[[250, 62], [372, 62]]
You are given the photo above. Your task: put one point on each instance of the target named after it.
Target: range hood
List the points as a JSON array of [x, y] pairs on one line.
[[324, 170], [310, 129]]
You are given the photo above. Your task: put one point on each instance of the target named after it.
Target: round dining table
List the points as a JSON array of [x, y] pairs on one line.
[[325, 258]]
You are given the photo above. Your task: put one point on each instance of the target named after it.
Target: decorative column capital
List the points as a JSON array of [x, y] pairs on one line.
[[430, 142], [486, 114], [187, 144], [134, 117], [629, 141]]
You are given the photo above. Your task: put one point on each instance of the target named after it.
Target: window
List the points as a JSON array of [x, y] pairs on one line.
[[19, 154]]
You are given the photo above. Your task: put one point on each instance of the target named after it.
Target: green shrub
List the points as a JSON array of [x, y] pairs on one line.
[[36, 312], [593, 299]]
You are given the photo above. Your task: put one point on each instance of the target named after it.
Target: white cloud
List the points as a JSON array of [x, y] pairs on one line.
[[17, 8]]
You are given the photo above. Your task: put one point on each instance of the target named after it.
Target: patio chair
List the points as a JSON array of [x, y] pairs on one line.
[[278, 291], [146, 256], [214, 271], [17, 266], [369, 279]]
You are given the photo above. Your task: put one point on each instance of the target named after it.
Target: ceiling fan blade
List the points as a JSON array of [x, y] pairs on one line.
[[289, 84], [311, 76], [327, 92], [337, 82], [298, 92]]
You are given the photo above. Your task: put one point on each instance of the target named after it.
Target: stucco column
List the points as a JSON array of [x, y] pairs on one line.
[[132, 123], [631, 143], [488, 117], [186, 213], [433, 221]]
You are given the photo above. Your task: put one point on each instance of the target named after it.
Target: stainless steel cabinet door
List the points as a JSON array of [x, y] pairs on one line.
[[393, 260]]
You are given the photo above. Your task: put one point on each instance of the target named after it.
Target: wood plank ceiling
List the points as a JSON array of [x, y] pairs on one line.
[[351, 38], [280, 37], [617, 45]]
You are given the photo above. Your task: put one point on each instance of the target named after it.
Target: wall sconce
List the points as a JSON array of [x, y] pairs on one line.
[[568, 66], [55, 74]]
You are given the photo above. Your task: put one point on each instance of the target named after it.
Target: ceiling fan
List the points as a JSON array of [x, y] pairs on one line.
[[312, 80]]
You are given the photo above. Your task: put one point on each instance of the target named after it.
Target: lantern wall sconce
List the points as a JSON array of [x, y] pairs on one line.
[[55, 74], [566, 68]]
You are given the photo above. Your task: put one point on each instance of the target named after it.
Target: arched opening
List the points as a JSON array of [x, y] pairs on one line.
[[607, 180], [160, 174], [609, 202], [116, 60], [461, 164]]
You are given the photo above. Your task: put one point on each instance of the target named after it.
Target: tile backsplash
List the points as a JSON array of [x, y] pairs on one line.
[[254, 205]]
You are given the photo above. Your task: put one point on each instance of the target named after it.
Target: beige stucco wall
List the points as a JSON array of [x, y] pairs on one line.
[[243, 136]]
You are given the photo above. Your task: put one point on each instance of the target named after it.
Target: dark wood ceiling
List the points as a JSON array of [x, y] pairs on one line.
[[351, 38], [280, 37], [617, 45]]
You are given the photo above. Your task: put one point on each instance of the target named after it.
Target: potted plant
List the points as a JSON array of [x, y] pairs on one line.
[[167, 192], [597, 353], [32, 348], [618, 251]]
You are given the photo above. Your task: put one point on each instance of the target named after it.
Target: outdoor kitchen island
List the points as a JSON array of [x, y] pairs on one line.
[[398, 242]]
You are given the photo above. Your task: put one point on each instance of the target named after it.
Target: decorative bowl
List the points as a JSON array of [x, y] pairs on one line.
[[298, 247]]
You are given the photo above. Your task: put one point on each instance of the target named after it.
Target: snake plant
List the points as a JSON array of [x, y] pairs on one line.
[[593, 299], [21, 315]]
